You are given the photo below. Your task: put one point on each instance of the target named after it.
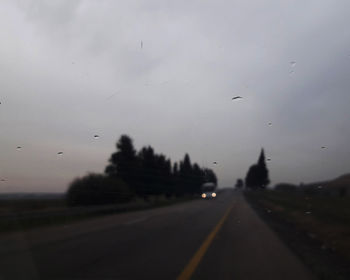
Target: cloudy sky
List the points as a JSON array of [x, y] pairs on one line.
[[73, 69]]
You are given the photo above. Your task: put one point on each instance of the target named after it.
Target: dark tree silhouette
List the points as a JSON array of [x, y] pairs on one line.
[[185, 175], [124, 164], [97, 189], [258, 175], [210, 176], [142, 173], [148, 173], [148, 176], [263, 174], [239, 184], [197, 179]]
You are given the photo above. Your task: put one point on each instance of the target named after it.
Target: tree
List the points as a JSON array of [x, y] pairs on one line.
[[263, 173], [239, 184], [209, 176], [197, 180], [251, 180], [155, 174], [124, 163], [97, 189], [184, 175], [147, 159], [258, 175]]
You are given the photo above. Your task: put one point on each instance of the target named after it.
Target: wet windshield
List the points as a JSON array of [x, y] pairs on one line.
[[174, 139]]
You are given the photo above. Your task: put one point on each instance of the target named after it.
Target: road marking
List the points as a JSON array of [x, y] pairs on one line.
[[197, 257]]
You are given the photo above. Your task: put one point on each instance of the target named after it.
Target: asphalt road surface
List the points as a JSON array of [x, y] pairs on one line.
[[216, 239]]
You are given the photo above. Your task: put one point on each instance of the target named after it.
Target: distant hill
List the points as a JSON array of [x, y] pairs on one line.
[[339, 186]]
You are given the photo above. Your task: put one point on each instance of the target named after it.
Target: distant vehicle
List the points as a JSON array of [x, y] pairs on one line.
[[208, 190]]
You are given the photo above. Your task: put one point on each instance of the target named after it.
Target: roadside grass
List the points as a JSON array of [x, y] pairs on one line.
[[25, 215], [36, 204], [315, 221]]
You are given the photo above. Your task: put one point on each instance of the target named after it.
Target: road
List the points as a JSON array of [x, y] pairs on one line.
[[216, 239]]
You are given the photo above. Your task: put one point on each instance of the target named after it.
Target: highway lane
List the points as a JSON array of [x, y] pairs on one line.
[[155, 244]]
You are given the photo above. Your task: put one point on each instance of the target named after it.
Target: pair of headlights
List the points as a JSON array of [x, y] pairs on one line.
[[212, 195]]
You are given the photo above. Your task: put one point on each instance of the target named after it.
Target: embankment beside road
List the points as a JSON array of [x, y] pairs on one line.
[[316, 228]]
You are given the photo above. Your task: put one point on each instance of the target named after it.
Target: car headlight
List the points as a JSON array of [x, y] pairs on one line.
[[213, 194], [204, 195]]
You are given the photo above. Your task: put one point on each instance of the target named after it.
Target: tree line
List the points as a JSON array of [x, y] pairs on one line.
[[143, 173]]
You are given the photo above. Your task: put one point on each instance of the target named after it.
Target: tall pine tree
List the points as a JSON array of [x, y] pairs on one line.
[[258, 175]]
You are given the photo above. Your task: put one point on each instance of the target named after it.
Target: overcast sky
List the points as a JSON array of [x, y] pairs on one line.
[[73, 69]]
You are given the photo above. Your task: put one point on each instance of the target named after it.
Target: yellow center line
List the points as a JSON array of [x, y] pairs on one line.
[[197, 257]]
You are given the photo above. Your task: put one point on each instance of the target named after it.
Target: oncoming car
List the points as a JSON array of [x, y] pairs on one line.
[[208, 190], [209, 195]]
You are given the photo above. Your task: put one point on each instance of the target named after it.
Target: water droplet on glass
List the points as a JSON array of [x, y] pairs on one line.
[[307, 212], [291, 72], [270, 123], [18, 148], [60, 153], [293, 63], [96, 136], [237, 97]]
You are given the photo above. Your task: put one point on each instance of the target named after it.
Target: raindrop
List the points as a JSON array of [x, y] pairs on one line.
[[270, 123], [96, 136], [291, 72], [141, 44], [60, 153], [319, 187], [268, 159], [323, 147], [215, 162], [236, 97], [307, 212], [19, 148], [2, 180], [269, 211], [293, 63]]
